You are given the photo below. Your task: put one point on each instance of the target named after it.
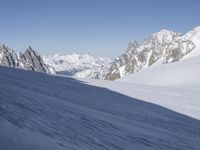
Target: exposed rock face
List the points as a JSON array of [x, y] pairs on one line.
[[8, 57], [32, 61], [28, 60], [161, 47]]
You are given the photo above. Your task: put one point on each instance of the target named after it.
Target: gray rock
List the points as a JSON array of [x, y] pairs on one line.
[[29, 60], [165, 45]]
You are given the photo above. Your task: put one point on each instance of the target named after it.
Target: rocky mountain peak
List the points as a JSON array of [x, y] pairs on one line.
[[28, 60], [8, 57], [166, 46]]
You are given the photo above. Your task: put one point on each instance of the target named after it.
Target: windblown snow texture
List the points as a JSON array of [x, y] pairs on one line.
[[175, 86], [38, 111]]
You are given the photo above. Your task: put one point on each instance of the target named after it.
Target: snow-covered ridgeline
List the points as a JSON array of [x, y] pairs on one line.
[[78, 65], [161, 47]]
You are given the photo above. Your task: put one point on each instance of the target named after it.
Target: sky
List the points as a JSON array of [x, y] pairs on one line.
[[99, 27]]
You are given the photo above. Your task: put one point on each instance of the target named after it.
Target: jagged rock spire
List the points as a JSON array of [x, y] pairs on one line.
[[28, 60]]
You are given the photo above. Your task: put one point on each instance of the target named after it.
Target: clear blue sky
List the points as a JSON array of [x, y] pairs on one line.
[[99, 27]]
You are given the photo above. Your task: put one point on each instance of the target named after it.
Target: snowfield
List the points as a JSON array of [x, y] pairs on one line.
[[39, 111], [175, 86]]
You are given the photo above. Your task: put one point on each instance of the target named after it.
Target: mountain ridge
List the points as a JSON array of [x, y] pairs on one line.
[[164, 46], [160, 47], [28, 60]]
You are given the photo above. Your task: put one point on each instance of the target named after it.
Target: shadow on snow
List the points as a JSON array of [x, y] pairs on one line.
[[38, 111]]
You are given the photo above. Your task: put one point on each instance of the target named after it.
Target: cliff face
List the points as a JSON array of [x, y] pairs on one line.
[[8, 57], [29, 60]]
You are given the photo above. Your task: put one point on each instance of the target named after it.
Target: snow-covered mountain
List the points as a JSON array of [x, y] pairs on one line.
[[28, 60], [78, 65], [161, 47]]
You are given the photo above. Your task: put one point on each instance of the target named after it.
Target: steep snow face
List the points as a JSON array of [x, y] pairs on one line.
[[39, 111], [164, 46], [78, 65], [28, 60]]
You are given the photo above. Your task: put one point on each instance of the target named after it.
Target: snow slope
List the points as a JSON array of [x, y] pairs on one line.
[[39, 111], [182, 73], [175, 86]]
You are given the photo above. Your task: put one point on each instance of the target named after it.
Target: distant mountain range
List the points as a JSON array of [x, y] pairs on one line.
[[78, 65], [159, 48]]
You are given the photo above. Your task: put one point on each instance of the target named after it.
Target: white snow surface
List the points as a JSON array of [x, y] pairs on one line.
[[177, 74], [194, 36], [175, 86], [39, 111]]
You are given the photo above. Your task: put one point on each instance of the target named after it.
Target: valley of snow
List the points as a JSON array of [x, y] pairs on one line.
[[156, 108]]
